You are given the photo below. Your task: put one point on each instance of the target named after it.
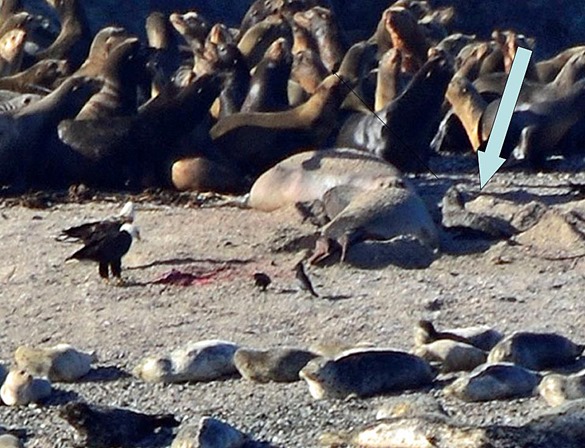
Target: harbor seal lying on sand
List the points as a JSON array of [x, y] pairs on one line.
[[210, 433], [494, 382], [366, 372], [280, 364], [451, 355], [197, 361], [62, 362], [556, 389], [20, 389], [536, 351]]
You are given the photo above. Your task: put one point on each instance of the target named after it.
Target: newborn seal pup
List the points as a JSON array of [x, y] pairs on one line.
[[281, 364], [494, 382], [59, 363], [20, 388], [557, 389], [536, 351], [365, 373], [104, 427]]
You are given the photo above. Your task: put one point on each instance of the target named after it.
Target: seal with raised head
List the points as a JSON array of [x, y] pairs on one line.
[[480, 336], [556, 389], [258, 140], [497, 381], [408, 123], [23, 150], [279, 364], [74, 40], [536, 351], [39, 78], [11, 51], [451, 355], [20, 388], [366, 372], [102, 45], [196, 361], [62, 362]]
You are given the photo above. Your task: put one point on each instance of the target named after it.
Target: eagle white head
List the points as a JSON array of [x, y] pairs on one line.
[[132, 229]]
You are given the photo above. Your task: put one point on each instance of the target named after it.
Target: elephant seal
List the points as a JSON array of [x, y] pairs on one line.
[[197, 361], [536, 351], [20, 389], [281, 364], [556, 389], [61, 363], [366, 372], [451, 355], [494, 382]]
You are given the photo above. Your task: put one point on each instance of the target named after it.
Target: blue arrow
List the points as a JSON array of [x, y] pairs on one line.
[[490, 160]]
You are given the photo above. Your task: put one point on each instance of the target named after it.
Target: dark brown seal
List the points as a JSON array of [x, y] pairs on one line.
[[269, 84], [38, 78], [403, 135], [256, 141]]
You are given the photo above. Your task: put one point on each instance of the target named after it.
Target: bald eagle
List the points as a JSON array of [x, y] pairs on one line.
[[85, 232], [107, 246]]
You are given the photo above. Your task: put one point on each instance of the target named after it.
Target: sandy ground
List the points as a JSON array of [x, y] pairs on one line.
[[44, 301]]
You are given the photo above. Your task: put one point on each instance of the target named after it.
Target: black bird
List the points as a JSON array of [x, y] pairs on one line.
[[87, 231], [262, 280], [303, 279], [105, 427], [107, 247]]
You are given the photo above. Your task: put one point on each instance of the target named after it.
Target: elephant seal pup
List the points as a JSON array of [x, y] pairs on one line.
[[103, 426], [210, 433], [62, 362], [453, 356], [281, 364], [20, 389], [366, 373], [307, 176], [536, 351], [197, 361], [494, 382], [556, 389]]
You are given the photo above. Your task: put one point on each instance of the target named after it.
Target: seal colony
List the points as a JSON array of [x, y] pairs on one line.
[[284, 87], [270, 109]]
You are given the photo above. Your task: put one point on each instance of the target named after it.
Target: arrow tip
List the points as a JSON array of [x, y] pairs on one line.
[[489, 163]]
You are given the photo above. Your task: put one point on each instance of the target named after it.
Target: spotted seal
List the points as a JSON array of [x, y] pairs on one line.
[[281, 364], [556, 389]]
